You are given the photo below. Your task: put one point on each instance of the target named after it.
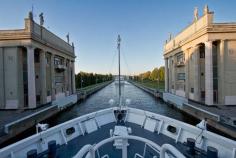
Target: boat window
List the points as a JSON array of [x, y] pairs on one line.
[[70, 131], [171, 129]]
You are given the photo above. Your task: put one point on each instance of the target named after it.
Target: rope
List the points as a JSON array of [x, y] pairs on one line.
[[112, 63], [199, 136], [123, 55]]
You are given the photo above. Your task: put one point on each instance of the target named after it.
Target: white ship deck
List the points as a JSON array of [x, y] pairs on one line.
[[92, 128]]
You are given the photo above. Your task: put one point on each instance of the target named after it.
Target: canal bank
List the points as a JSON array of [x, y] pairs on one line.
[[14, 122], [214, 115]]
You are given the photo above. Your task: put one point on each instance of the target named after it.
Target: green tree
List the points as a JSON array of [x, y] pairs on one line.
[[90, 79], [154, 74], [161, 73]]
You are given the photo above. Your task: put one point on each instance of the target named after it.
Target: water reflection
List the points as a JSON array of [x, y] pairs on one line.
[[138, 99]]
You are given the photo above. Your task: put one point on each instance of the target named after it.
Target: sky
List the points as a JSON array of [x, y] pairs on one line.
[[93, 25]]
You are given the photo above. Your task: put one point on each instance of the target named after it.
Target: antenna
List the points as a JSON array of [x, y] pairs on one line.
[[118, 47], [32, 8]]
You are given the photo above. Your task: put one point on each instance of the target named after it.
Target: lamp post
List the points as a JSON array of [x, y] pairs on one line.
[[81, 81], [158, 82]]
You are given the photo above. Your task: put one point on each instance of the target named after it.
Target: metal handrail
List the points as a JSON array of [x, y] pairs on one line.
[[170, 148], [145, 148], [84, 150], [90, 150]]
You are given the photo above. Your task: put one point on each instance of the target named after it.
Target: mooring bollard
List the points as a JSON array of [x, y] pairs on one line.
[[32, 153], [191, 145], [212, 152], [52, 149]]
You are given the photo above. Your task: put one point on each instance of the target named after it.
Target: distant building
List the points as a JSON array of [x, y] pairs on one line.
[[200, 62], [36, 66]]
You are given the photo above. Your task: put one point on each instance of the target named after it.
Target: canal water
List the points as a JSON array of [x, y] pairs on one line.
[[100, 100], [137, 98]]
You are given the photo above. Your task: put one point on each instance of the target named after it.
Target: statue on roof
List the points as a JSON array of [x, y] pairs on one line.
[[41, 19], [30, 16], [68, 38], [195, 14], [206, 9], [170, 36]]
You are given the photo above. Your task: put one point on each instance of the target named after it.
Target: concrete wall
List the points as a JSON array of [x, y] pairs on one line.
[[52, 39], [230, 73], [2, 99], [219, 38], [11, 77], [198, 25], [35, 37]]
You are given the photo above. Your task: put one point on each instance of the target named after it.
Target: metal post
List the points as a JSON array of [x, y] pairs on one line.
[[158, 84], [118, 47], [124, 148], [81, 81]]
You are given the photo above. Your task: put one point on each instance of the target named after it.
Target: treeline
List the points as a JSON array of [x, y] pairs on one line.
[[154, 75], [90, 79]]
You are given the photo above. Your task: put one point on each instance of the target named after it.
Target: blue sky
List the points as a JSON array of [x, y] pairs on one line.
[[93, 25]]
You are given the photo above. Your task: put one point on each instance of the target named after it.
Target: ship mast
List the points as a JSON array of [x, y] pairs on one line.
[[118, 47]]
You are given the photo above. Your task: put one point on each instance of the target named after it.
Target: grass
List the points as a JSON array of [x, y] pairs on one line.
[[153, 84]]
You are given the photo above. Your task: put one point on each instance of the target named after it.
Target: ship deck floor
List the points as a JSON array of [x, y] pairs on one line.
[[73, 146]]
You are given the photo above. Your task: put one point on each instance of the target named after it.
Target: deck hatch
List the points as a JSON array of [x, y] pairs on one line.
[[150, 124]]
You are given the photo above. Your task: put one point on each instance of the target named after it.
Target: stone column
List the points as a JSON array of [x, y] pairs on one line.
[[43, 77], [52, 77], [65, 76], [186, 54], [170, 74], [196, 74], [174, 73], [208, 74], [2, 85], [31, 77], [73, 78], [166, 75], [69, 77], [221, 67]]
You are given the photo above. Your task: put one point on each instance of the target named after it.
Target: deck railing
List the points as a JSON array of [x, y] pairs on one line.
[[89, 151]]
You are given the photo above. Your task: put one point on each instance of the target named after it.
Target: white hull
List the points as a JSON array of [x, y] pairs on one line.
[[91, 122]]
